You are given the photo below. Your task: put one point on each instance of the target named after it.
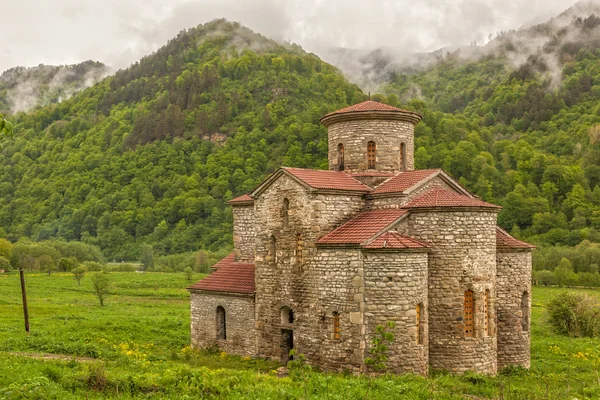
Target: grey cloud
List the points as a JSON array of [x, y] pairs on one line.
[[118, 32]]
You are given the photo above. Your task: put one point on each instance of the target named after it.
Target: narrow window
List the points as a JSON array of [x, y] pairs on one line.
[[469, 313], [487, 326], [273, 249], [402, 157], [285, 211], [525, 312], [221, 324], [341, 157], [299, 250], [371, 155], [337, 330], [287, 315], [419, 323]]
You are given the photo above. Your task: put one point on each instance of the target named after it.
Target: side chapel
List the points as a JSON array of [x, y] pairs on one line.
[[322, 258]]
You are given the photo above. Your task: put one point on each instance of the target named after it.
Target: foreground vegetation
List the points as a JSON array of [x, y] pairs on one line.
[[137, 346]]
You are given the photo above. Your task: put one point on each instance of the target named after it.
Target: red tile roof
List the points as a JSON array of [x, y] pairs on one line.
[[366, 106], [229, 259], [242, 199], [233, 278], [404, 180], [506, 241], [323, 179], [446, 198], [394, 240], [362, 227], [374, 173]]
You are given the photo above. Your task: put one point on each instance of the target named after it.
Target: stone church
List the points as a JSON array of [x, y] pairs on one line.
[[321, 258]]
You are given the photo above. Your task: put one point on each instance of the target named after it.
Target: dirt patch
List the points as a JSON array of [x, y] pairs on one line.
[[48, 356]]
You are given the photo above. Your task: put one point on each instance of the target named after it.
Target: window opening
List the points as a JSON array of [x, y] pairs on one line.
[[337, 330], [419, 322], [525, 312], [299, 250], [487, 326], [285, 211], [221, 324], [341, 157], [371, 150], [287, 315], [402, 157], [469, 314]]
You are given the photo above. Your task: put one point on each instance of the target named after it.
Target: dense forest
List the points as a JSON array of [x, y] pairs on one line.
[[150, 155]]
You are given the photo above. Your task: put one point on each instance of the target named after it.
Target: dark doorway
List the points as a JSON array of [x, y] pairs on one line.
[[287, 344]]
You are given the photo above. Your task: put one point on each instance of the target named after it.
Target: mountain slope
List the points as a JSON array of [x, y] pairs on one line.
[[151, 154], [22, 89], [525, 137]]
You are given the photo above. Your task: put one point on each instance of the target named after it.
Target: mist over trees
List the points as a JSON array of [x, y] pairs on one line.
[[149, 156]]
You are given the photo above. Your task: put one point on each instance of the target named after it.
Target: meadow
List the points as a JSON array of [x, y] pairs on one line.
[[137, 346]]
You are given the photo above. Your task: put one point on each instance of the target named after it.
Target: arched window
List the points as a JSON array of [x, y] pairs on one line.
[[285, 212], [487, 314], [371, 150], [273, 249], [337, 330], [221, 324], [299, 251], [341, 157], [419, 323], [469, 313], [402, 157], [525, 312], [287, 315]]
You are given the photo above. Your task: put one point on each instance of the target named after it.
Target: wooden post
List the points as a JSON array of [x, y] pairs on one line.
[[24, 293]]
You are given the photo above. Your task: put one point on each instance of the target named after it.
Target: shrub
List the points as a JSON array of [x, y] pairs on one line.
[[101, 284], [5, 264], [544, 277], [189, 273], [575, 314]]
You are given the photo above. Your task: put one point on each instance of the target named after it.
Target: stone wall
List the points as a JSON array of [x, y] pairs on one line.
[[280, 280], [336, 286], [239, 319], [395, 283], [244, 234], [393, 200], [462, 257], [387, 135], [514, 279]]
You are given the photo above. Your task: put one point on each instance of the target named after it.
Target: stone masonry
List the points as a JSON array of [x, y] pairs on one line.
[[323, 257], [514, 285]]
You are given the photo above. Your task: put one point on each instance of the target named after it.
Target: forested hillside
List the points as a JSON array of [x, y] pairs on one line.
[[525, 137], [151, 154], [22, 89]]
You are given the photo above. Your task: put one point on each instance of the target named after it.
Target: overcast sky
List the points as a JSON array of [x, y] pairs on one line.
[[119, 32]]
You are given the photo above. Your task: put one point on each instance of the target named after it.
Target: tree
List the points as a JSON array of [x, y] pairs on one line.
[[189, 273], [67, 264], [46, 263], [6, 249], [564, 273], [79, 273], [101, 284], [4, 264], [202, 262], [6, 128], [147, 256]]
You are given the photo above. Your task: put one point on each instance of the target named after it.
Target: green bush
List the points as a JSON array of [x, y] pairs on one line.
[[544, 277], [575, 314]]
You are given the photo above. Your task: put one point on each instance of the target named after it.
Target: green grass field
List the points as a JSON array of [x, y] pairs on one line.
[[137, 346]]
